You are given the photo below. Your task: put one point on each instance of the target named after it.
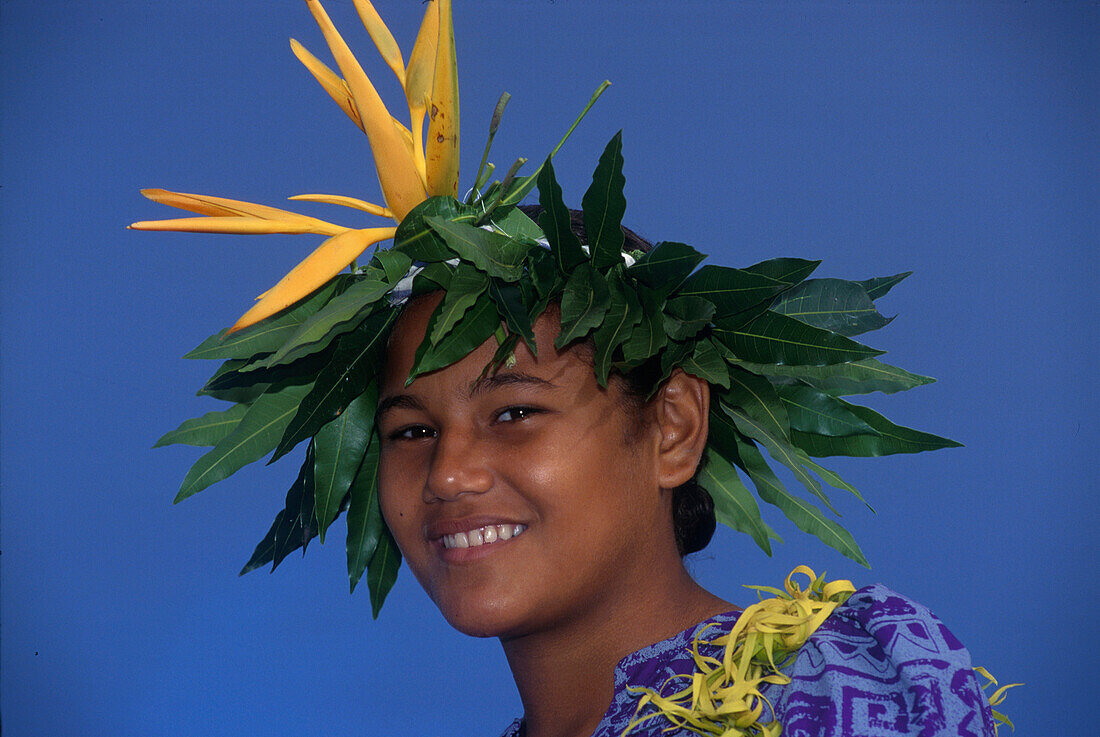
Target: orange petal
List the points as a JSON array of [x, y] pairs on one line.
[[330, 80], [237, 225], [207, 205], [382, 38], [337, 199], [441, 153], [317, 268]]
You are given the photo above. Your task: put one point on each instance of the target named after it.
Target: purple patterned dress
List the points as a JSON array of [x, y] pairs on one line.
[[880, 666]]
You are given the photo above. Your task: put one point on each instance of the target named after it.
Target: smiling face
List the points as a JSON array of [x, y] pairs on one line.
[[516, 498]]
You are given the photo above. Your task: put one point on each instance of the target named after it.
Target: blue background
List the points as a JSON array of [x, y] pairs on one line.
[[957, 140]]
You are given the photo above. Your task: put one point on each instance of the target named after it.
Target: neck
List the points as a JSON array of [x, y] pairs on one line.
[[566, 673]]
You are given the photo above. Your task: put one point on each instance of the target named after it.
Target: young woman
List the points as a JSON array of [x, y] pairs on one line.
[[521, 406]]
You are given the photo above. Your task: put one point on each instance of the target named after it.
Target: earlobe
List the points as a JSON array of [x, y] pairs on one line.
[[683, 409]]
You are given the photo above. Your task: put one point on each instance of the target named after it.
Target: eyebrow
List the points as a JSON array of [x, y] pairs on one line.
[[482, 385]]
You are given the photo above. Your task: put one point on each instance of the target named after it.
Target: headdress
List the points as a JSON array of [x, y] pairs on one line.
[[301, 366]]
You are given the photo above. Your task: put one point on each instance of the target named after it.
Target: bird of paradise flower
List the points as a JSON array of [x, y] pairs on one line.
[[409, 170]]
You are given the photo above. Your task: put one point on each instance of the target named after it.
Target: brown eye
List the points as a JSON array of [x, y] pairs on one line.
[[412, 432], [514, 414]]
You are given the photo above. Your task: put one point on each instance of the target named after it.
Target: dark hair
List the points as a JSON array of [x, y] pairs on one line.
[[693, 519]]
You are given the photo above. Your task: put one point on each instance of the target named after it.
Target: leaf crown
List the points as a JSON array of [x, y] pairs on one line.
[[302, 366]]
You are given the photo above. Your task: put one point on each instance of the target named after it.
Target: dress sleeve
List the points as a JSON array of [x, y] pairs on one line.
[[882, 665]]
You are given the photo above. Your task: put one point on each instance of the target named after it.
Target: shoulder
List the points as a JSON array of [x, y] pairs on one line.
[[881, 665]]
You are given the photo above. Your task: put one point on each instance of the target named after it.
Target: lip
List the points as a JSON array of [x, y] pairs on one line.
[[435, 531]]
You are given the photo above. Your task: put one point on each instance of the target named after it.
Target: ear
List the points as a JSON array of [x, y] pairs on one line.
[[683, 409]]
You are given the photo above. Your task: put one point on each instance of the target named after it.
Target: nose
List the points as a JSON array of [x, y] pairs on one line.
[[459, 466]]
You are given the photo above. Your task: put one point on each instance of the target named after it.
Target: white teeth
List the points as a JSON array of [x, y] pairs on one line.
[[482, 536]]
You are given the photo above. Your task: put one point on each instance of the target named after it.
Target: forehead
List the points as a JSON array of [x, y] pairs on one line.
[[572, 364]]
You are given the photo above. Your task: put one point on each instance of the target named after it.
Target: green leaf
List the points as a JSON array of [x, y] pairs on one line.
[[604, 205], [666, 267], [517, 226], [339, 447], [775, 338], [648, 337], [843, 379], [780, 449], [467, 284], [416, 239], [830, 477], [890, 438], [495, 254], [731, 290], [509, 302], [733, 503], [475, 328], [432, 277], [339, 316], [673, 356], [789, 271], [382, 572], [206, 430], [365, 524], [831, 304], [879, 286], [815, 412], [686, 316], [354, 364], [541, 265], [707, 363], [256, 435], [396, 264], [554, 221], [243, 392], [584, 304], [757, 397], [293, 527], [623, 312], [804, 515], [267, 335]]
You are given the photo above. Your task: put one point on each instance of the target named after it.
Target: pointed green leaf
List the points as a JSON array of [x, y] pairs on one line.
[[686, 316], [831, 304], [604, 205], [890, 438], [206, 430], [815, 412], [584, 304], [780, 449], [365, 525], [433, 277], [707, 363], [673, 356], [623, 312], [541, 265], [467, 284], [495, 254], [416, 239], [733, 503], [879, 286], [256, 435], [757, 397], [267, 335], [240, 391], [775, 338], [830, 477], [509, 301], [843, 379], [731, 290], [339, 447], [382, 572], [476, 326], [804, 515], [666, 267], [354, 364], [294, 525], [789, 271], [648, 336], [339, 316], [517, 226], [554, 221]]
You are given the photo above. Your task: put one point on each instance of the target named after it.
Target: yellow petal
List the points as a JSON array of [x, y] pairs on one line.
[[441, 153], [326, 262], [382, 38], [418, 80], [401, 185], [237, 225], [330, 80], [207, 205], [337, 199]]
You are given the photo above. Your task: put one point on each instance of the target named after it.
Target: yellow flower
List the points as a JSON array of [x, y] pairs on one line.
[[408, 170]]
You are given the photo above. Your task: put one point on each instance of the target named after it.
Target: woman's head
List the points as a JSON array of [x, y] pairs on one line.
[[586, 472]]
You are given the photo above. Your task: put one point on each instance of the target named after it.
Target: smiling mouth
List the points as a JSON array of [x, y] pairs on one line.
[[482, 536]]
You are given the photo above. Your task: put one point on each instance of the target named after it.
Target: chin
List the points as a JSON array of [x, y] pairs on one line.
[[485, 617]]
